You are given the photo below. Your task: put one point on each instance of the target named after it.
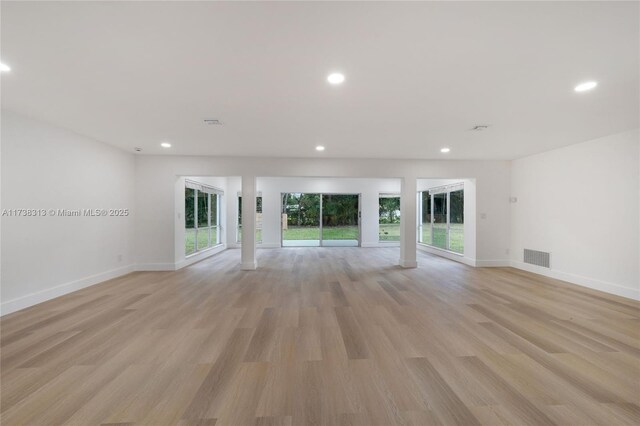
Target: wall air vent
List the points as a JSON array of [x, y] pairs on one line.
[[538, 258], [212, 122]]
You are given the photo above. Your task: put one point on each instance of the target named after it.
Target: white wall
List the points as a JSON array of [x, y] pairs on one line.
[[156, 177], [470, 226], [581, 203], [45, 167]]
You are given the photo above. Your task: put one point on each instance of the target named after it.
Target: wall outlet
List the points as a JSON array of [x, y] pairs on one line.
[[119, 258], [506, 251], [483, 215]]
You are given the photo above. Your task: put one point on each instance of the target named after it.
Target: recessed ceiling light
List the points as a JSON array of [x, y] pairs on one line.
[[319, 148], [335, 78], [445, 150], [165, 145], [587, 85], [4, 67]]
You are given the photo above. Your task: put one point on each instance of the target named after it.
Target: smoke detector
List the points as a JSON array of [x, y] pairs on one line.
[[137, 149], [212, 122], [480, 127]]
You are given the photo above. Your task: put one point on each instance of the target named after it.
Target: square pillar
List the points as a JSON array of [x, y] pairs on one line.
[[248, 250], [408, 222]]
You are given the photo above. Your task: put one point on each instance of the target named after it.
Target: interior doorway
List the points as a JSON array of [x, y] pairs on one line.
[[320, 220]]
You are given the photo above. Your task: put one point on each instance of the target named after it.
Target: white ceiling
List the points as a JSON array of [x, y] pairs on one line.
[[419, 75]]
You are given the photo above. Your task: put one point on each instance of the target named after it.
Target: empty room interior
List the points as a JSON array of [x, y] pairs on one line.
[[320, 213]]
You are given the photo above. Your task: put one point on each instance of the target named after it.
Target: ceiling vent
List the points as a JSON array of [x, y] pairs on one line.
[[212, 122], [480, 127]]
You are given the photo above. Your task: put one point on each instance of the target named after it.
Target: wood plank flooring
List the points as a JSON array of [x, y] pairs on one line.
[[316, 336]]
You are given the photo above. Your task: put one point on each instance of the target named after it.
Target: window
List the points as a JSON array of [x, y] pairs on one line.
[[258, 220], [442, 217], [202, 217], [190, 227], [424, 234], [389, 217]]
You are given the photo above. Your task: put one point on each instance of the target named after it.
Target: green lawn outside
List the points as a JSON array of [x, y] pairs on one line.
[[190, 239], [440, 237], [389, 232], [313, 233]]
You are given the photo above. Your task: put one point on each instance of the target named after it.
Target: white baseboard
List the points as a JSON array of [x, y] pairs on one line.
[[604, 286], [150, 267], [199, 256], [249, 266], [258, 245], [380, 244], [408, 263], [60, 290]]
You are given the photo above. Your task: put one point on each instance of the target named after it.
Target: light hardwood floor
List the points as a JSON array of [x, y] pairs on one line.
[[324, 336]]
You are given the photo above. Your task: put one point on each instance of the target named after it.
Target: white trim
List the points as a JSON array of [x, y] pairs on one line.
[[200, 255], [202, 187], [381, 244], [62, 289], [603, 286], [153, 267], [493, 263]]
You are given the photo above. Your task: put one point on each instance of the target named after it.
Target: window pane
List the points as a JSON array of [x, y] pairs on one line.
[[258, 219], [301, 219], [202, 238], [213, 235], [425, 235], [456, 221], [203, 209], [189, 207], [440, 220], [389, 218], [340, 219], [189, 241], [189, 211], [239, 230], [214, 209]]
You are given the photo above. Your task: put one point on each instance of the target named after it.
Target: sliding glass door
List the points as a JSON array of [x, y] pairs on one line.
[[441, 217], [300, 220], [202, 217], [440, 220], [314, 220], [340, 220]]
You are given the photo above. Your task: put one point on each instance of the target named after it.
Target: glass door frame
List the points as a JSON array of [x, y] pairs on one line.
[[320, 194]]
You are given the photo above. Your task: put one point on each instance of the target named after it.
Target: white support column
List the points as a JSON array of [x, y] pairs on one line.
[[408, 222], [249, 223]]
